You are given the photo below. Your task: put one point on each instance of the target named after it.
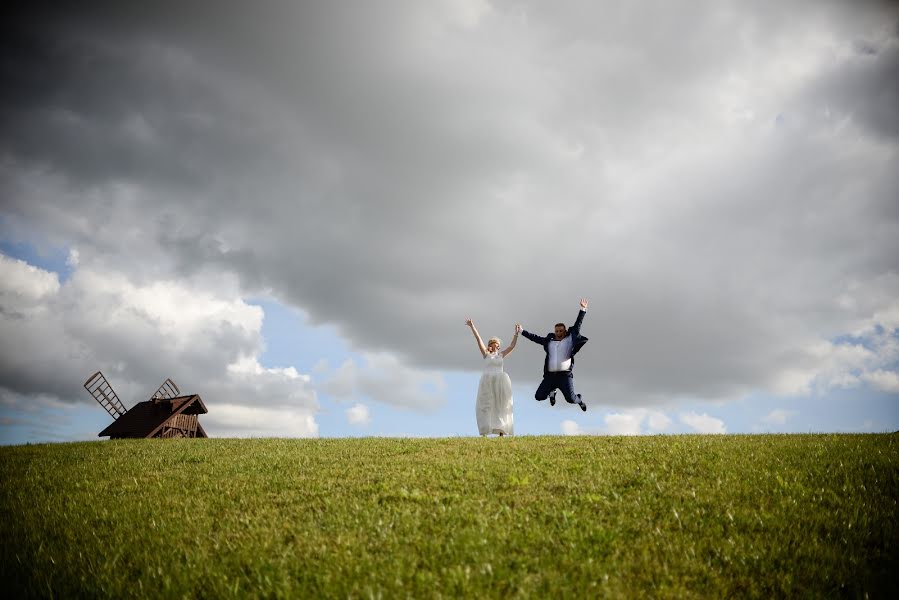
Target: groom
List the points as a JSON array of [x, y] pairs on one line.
[[560, 347]]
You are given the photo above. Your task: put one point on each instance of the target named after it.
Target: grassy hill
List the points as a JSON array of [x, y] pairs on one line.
[[667, 516]]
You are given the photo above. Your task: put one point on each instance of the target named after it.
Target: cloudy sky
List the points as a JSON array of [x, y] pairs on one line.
[[290, 208]]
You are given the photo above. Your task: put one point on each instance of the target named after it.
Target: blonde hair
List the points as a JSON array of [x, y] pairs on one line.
[[498, 341]]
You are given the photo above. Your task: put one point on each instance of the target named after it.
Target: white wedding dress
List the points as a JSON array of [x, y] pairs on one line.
[[494, 403]]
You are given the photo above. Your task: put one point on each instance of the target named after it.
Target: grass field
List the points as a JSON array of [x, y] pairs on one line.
[[580, 517]]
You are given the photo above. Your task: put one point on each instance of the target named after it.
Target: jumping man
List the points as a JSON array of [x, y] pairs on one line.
[[560, 346]]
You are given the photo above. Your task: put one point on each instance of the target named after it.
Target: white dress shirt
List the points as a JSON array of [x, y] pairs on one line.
[[560, 354]]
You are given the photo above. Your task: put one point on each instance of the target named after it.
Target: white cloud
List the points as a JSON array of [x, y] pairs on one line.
[[23, 285], [866, 357], [658, 422], [886, 381], [637, 421], [571, 428], [778, 416], [703, 423], [249, 366], [341, 383], [626, 423], [179, 313], [358, 414], [232, 420], [385, 379], [207, 340]]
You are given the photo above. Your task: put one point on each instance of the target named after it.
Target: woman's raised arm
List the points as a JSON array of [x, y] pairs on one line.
[[477, 336]]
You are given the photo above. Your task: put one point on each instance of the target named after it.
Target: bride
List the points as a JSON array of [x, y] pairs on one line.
[[494, 402]]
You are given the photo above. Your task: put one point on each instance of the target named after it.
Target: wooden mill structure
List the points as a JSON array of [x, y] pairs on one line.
[[167, 414]]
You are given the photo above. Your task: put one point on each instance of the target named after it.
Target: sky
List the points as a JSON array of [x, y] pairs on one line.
[[291, 208]]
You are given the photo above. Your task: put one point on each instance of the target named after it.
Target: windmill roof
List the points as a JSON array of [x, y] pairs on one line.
[[145, 418]]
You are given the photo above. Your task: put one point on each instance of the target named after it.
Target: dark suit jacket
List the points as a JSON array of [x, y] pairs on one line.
[[574, 331]]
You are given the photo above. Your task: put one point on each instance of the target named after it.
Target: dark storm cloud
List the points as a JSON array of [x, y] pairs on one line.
[[95, 109], [864, 87], [394, 168]]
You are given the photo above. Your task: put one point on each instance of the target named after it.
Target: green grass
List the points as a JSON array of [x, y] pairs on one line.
[[679, 516]]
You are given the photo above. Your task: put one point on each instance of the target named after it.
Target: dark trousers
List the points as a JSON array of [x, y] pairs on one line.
[[564, 380]]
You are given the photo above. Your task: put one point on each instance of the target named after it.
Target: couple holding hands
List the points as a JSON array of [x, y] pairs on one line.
[[494, 401]]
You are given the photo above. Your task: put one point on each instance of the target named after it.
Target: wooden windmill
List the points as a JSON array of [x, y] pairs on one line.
[[167, 414]]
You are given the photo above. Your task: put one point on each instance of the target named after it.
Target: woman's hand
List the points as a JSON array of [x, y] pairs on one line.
[[469, 323], [518, 328]]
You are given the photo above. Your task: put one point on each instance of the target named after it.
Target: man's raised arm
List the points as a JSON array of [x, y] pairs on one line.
[[580, 317]]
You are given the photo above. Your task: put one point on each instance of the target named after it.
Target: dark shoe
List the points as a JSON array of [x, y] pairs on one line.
[[581, 403], [552, 399]]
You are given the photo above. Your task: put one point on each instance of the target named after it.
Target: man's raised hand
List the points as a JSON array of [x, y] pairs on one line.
[[583, 304]]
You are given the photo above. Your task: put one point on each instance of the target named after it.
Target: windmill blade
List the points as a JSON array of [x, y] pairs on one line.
[[167, 390], [99, 388]]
